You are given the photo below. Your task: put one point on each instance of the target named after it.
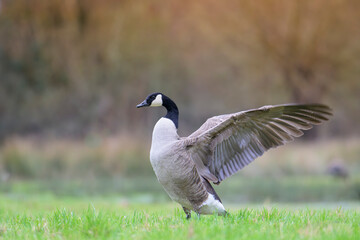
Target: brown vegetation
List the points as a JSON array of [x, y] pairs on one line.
[[112, 158], [74, 68]]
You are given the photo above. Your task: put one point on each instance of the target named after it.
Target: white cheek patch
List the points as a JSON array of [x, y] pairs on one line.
[[157, 101]]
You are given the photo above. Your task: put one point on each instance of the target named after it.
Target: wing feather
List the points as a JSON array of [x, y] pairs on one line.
[[225, 144]]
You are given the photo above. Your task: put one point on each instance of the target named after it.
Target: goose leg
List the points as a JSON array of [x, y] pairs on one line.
[[187, 212]]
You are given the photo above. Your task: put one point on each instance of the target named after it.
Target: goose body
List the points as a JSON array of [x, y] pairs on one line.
[[177, 173], [219, 148]]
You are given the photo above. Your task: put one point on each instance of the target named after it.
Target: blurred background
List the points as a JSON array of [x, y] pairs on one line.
[[72, 72]]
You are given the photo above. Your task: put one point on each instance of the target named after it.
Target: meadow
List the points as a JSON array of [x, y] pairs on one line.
[[48, 217], [82, 193]]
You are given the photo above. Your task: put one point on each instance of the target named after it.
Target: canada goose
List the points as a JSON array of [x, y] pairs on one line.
[[220, 147]]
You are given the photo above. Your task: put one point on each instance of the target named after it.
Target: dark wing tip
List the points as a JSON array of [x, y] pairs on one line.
[[315, 107]]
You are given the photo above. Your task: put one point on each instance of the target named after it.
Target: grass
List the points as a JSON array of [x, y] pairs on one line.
[[47, 217], [87, 194], [237, 189]]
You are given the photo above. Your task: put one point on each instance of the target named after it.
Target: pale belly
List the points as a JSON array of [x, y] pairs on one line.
[[174, 180], [209, 206]]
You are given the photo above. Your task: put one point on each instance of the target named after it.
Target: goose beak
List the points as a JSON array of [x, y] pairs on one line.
[[143, 104]]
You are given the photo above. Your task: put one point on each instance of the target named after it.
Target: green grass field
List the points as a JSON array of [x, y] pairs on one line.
[[48, 217], [287, 194]]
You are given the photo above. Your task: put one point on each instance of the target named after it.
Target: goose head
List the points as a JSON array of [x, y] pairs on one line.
[[153, 100], [159, 99]]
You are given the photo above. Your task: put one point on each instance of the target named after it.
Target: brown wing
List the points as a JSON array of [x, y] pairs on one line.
[[227, 143]]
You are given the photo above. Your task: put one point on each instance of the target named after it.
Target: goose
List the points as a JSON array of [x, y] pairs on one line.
[[222, 146]]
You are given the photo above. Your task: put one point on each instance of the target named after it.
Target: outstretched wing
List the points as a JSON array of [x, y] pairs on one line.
[[225, 144]]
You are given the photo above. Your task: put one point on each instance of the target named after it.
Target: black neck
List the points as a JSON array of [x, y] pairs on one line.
[[172, 110]]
